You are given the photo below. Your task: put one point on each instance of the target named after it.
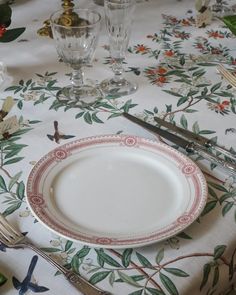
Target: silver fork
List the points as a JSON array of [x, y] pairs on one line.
[[227, 75], [11, 238]]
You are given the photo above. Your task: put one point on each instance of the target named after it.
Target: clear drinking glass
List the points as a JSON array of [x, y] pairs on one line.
[[76, 39], [221, 8], [118, 16]]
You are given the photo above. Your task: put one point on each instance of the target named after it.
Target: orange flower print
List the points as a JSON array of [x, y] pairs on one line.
[[140, 48], [161, 71], [157, 75], [182, 35], [220, 107], [169, 53], [161, 79], [215, 34], [225, 102], [157, 71], [185, 22]]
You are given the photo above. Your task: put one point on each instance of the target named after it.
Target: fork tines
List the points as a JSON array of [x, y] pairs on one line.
[[227, 75]]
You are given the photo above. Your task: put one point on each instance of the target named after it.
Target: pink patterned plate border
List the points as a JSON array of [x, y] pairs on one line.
[[41, 204]]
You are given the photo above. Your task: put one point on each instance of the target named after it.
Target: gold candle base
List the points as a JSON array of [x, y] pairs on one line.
[[68, 18]]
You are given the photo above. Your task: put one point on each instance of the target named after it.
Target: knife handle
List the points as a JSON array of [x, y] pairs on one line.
[[193, 148], [220, 149]]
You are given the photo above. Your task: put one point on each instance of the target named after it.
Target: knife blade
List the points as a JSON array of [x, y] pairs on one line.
[[198, 139], [188, 146]]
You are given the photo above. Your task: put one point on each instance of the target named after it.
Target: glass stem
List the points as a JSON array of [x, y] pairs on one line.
[[77, 78], [117, 68]]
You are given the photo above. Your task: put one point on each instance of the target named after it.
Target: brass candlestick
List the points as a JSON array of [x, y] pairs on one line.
[[68, 18]]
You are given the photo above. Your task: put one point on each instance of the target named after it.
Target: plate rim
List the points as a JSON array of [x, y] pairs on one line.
[[190, 169]]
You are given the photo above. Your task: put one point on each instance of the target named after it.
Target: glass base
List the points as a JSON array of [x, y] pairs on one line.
[[118, 88], [85, 95]]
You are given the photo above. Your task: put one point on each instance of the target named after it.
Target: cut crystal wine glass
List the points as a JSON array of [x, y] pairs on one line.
[[76, 40], [118, 16]]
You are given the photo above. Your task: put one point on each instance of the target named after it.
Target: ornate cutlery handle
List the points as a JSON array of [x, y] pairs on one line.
[[77, 281], [82, 285], [193, 148], [220, 149]]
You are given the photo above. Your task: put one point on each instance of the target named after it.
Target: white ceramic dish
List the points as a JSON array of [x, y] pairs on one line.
[[116, 191]]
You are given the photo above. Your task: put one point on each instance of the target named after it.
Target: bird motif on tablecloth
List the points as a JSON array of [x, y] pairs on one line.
[[26, 284]]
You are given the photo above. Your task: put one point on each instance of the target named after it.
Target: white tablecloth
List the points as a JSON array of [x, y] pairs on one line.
[[174, 64]]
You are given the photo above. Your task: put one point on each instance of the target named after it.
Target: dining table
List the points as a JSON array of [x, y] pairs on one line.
[[174, 63]]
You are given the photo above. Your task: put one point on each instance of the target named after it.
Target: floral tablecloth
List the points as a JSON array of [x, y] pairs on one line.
[[174, 64]]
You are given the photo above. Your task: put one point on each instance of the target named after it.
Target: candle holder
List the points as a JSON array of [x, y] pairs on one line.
[[68, 18]]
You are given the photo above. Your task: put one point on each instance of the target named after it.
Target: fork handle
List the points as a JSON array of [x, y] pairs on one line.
[[83, 285], [77, 281]]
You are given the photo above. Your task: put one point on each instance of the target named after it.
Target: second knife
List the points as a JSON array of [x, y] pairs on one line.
[[195, 137], [188, 146]]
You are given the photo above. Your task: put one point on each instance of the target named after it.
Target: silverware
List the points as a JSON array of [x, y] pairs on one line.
[[227, 75], [188, 146], [198, 139], [11, 238]]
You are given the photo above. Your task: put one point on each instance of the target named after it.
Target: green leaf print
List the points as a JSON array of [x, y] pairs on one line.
[[107, 259], [169, 285], [177, 272], [218, 251], [16, 205], [160, 255], [14, 180], [227, 207], [206, 272], [75, 263], [126, 257], [216, 276], [98, 277], [209, 207], [68, 245], [83, 252], [143, 260], [3, 184], [129, 280], [20, 190]]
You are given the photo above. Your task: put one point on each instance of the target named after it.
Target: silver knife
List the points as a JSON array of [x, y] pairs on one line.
[[196, 138], [188, 146]]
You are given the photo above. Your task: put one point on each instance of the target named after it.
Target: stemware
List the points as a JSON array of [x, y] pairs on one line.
[[220, 8], [76, 36], [118, 16]]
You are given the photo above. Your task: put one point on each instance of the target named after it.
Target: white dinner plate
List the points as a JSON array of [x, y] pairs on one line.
[[116, 191]]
